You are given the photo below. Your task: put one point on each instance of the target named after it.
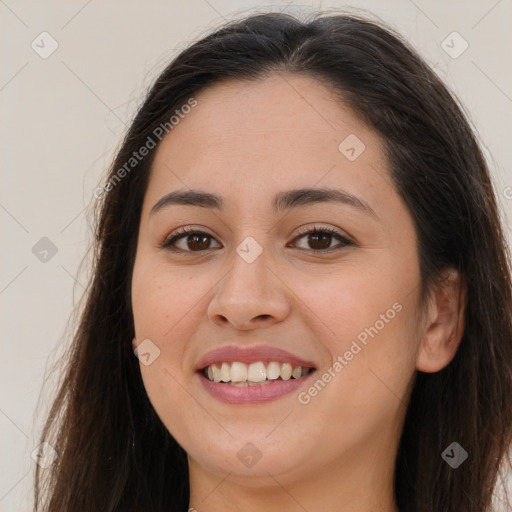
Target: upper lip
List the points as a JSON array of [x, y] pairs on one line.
[[265, 353]]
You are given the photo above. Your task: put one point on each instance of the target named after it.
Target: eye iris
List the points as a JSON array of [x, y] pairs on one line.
[[199, 239], [322, 237]]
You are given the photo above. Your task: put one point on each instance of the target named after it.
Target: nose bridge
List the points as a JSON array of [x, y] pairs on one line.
[[249, 269], [249, 289]]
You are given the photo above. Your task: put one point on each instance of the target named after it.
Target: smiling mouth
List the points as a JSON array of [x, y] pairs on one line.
[[254, 374]]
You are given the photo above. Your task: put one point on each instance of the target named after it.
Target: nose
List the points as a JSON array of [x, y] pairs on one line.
[[250, 295]]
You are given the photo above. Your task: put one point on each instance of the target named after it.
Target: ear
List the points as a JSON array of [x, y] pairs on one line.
[[444, 325]]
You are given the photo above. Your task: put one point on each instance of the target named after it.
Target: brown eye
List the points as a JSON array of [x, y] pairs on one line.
[[198, 242], [320, 239], [190, 240]]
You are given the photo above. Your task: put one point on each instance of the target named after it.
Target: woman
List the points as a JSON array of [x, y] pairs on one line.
[[299, 241]]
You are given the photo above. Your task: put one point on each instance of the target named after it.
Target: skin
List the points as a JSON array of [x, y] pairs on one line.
[[246, 141]]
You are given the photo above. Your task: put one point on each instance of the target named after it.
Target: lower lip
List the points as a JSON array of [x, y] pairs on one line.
[[252, 394]]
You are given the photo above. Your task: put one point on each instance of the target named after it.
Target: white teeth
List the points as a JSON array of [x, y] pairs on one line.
[[225, 373], [273, 370], [254, 374], [286, 371], [238, 372], [216, 372]]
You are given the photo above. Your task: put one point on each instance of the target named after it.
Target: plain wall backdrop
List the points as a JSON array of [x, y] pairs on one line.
[[71, 78]]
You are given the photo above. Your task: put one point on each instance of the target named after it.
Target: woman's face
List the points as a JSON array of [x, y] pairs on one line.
[[251, 289]]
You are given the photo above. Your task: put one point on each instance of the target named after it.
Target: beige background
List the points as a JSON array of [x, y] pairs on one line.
[[63, 117]]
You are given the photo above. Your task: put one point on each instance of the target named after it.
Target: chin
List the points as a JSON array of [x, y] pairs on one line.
[[244, 457]]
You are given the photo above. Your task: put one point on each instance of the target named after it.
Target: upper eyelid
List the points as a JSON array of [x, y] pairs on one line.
[[187, 231]]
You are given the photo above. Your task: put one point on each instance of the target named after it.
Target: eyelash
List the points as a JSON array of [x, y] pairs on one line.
[[183, 232]]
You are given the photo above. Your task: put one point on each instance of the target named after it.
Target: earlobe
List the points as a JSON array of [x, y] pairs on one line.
[[444, 326]]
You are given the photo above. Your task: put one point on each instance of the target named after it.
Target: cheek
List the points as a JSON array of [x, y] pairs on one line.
[[366, 321], [163, 298], [160, 310], [163, 303], [348, 302]]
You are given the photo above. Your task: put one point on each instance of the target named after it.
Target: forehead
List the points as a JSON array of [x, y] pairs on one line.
[[256, 137]]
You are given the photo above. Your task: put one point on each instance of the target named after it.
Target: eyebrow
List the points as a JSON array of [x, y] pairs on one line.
[[282, 201]]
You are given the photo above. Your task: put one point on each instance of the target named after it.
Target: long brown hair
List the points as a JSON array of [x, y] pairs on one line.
[[115, 454]]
